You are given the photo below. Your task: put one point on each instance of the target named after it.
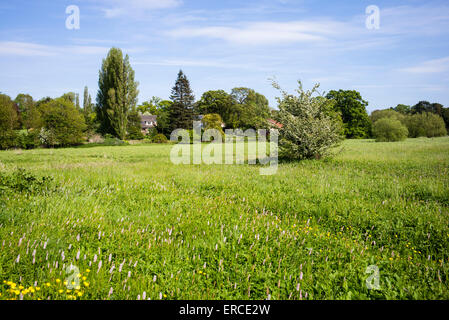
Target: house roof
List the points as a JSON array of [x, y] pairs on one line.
[[275, 123], [148, 118]]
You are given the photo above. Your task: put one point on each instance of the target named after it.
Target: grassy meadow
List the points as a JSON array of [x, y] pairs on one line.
[[138, 227]]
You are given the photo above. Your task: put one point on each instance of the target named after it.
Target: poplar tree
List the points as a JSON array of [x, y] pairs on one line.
[[181, 111], [87, 102], [117, 94]]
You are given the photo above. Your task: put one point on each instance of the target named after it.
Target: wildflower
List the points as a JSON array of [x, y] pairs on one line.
[[58, 280]]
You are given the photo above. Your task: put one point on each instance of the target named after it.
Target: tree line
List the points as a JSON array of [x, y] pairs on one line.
[[424, 119], [60, 122]]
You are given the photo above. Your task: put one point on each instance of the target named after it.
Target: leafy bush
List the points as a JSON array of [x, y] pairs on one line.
[[387, 113], [28, 139], [134, 134], [152, 132], [160, 138], [309, 130], [23, 181], [63, 124], [425, 125], [134, 126], [389, 129], [110, 140]]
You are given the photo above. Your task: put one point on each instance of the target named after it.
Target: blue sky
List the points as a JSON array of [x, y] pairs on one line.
[[225, 44]]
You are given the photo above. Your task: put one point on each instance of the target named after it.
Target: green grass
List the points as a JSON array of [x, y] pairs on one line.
[[225, 232]]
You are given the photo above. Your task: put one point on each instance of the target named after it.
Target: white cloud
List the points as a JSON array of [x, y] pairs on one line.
[[24, 49], [34, 49], [118, 8], [430, 66], [267, 32]]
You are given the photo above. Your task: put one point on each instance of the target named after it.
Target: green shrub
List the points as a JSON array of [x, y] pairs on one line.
[[160, 138], [63, 124], [21, 180], [152, 132], [28, 139], [110, 140], [425, 125], [309, 131], [387, 113], [134, 134], [389, 129]]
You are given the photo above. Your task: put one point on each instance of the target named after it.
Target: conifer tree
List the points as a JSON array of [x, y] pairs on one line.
[[181, 111]]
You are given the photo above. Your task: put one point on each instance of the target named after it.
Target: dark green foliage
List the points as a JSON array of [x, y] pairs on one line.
[[181, 111], [252, 108], [353, 111], [402, 108], [163, 117], [134, 126], [62, 124], [8, 122], [22, 180], [117, 94], [219, 102], [244, 108], [29, 116], [389, 129], [425, 106], [446, 117]]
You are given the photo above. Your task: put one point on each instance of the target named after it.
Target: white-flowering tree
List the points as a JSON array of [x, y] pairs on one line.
[[310, 126]]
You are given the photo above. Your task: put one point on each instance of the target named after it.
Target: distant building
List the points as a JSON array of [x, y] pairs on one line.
[[148, 122]]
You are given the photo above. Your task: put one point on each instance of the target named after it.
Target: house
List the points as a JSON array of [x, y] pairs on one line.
[[148, 122]]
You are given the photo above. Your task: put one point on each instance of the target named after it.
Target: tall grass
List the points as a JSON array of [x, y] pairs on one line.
[[138, 227]]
